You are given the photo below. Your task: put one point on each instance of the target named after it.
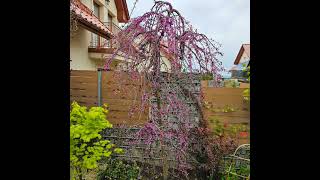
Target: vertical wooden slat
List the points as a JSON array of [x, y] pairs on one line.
[[85, 89]]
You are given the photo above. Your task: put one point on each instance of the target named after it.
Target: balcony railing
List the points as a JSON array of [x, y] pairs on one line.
[[99, 42], [113, 27]]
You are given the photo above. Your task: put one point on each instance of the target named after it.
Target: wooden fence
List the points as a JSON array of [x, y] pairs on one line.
[[94, 88], [228, 106]]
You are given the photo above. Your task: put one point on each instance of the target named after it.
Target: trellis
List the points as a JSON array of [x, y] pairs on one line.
[[239, 159]]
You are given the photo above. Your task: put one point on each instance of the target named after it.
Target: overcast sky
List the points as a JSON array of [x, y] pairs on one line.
[[226, 21]]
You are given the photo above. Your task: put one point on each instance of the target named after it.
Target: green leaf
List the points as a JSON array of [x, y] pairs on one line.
[[86, 144]]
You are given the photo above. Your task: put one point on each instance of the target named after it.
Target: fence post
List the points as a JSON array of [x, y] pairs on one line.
[[99, 86]]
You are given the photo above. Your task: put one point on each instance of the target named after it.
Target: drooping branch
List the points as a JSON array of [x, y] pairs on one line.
[[162, 40]]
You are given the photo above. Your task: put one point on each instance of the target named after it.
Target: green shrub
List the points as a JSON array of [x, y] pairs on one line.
[[208, 76], [86, 144], [117, 169], [246, 93], [231, 83]]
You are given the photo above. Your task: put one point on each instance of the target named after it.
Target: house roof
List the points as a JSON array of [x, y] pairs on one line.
[[122, 11], [245, 48], [88, 20]]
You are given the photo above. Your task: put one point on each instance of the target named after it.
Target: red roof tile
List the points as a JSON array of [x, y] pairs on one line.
[[86, 16]]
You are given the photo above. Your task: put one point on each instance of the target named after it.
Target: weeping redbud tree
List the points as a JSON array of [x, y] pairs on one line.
[[162, 42]]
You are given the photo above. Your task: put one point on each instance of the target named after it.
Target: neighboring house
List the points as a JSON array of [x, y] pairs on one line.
[[97, 22], [242, 60]]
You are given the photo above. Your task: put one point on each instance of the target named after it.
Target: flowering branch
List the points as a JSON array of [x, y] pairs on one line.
[[162, 40]]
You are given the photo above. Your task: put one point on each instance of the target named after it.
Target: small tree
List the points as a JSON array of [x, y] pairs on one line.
[[246, 92], [143, 41], [86, 144]]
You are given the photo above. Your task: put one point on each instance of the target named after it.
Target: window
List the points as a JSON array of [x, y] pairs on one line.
[[109, 18], [96, 9], [95, 39]]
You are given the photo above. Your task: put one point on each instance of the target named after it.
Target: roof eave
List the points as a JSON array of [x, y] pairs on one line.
[[122, 11], [237, 60]]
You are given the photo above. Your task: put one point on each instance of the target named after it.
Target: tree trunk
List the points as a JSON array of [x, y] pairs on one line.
[[165, 170]]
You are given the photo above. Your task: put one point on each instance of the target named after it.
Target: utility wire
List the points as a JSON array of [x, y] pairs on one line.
[[134, 6]]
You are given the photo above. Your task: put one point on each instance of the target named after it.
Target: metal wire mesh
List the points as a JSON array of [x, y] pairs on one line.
[[237, 165]]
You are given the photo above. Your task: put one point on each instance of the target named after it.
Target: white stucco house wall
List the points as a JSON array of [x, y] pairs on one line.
[[87, 44]]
